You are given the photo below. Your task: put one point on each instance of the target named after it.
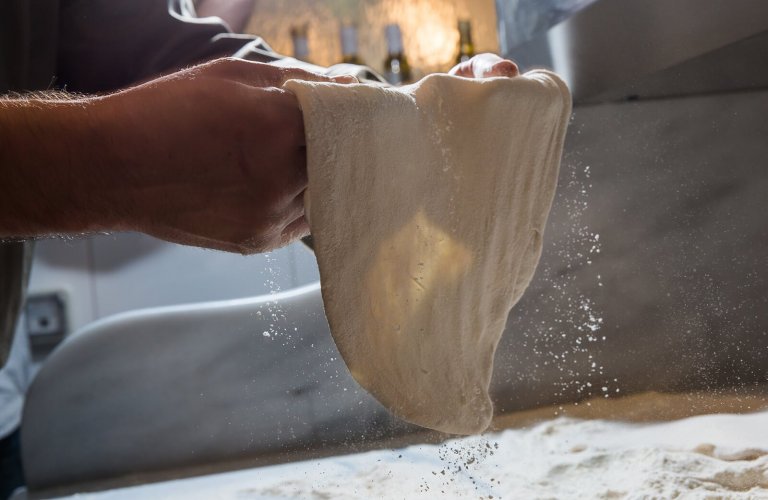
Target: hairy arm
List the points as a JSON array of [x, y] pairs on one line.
[[211, 156], [53, 153]]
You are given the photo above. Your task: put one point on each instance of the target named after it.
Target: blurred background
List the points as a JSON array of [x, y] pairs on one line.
[[429, 28]]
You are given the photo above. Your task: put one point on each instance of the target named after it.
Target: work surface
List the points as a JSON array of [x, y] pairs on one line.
[[720, 455]]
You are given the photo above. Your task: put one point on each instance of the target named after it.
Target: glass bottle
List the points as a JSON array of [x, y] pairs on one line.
[[300, 42], [466, 47], [349, 44], [397, 71]]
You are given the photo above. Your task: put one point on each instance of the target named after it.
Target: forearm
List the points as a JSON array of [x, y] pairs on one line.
[[211, 156], [54, 162]]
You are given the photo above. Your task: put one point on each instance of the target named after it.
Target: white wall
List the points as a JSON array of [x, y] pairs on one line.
[[106, 274]]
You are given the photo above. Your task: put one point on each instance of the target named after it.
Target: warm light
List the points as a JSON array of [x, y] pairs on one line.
[[413, 266], [429, 27], [429, 30]]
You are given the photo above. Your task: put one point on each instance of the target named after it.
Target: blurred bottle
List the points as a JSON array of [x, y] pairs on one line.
[[396, 68], [300, 42], [349, 44], [466, 47]]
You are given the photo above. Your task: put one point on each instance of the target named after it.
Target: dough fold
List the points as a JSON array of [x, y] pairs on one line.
[[427, 205]]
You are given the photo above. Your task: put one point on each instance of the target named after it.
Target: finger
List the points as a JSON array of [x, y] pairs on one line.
[[287, 211], [291, 156], [295, 208], [462, 69], [486, 65], [502, 68], [258, 74], [292, 73], [276, 155], [296, 73], [483, 63], [287, 114], [295, 230], [285, 191], [345, 79]]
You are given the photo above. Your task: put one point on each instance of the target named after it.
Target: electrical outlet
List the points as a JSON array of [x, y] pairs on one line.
[[46, 322]]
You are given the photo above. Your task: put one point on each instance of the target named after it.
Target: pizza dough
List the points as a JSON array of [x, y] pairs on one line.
[[427, 205]]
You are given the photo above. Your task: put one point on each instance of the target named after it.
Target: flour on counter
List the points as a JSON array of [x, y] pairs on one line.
[[712, 456]]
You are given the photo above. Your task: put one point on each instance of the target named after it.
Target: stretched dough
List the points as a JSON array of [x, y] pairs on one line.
[[427, 204]]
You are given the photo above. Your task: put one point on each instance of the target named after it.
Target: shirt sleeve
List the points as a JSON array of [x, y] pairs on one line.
[[106, 45]]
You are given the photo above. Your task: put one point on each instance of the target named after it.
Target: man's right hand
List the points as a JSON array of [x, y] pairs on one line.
[[211, 156]]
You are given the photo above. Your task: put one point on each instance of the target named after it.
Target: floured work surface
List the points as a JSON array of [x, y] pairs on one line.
[[427, 205]]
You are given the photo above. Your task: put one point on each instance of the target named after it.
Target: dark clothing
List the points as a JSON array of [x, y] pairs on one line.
[[28, 32], [11, 471], [105, 45], [15, 260]]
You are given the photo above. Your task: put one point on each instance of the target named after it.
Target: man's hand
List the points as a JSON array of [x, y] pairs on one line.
[[217, 156], [211, 156], [484, 66]]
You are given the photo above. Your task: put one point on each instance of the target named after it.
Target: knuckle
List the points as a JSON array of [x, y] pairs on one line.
[[225, 67], [293, 71], [223, 63], [302, 74], [284, 74]]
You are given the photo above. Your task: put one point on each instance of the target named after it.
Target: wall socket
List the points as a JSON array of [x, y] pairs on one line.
[[46, 322]]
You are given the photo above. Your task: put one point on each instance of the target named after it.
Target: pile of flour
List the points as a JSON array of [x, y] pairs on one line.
[[712, 456]]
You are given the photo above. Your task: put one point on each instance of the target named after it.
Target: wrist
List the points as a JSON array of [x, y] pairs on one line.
[[55, 163]]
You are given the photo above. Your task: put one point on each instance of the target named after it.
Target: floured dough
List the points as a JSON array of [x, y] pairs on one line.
[[427, 204]]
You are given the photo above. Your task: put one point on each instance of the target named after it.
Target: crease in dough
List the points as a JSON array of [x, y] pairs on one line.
[[427, 205]]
